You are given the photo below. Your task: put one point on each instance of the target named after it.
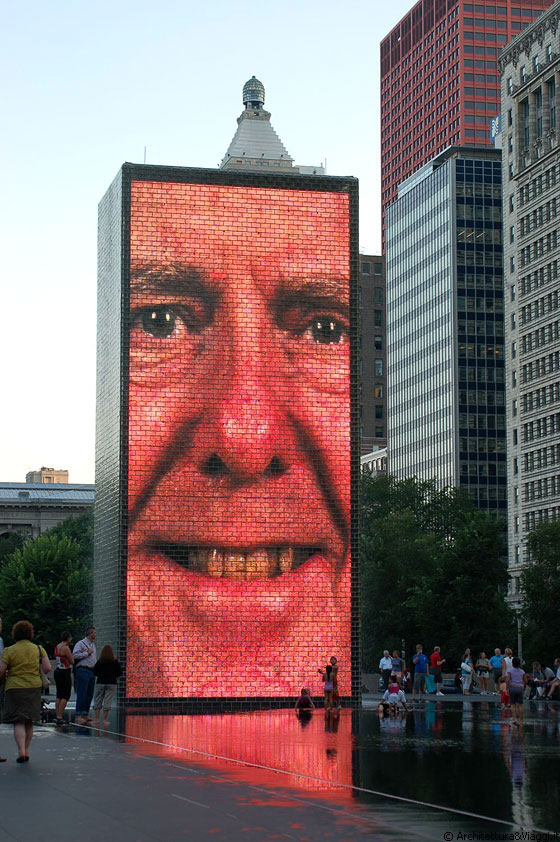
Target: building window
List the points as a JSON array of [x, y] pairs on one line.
[[538, 108], [378, 368], [525, 121], [377, 269], [379, 411], [379, 432], [522, 74], [378, 318], [378, 390], [510, 117], [514, 407], [378, 295], [365, 268], [510, 85], [378, 343], [552, 102]]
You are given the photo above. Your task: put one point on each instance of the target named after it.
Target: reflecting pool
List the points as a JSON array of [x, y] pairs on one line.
[[463, 756]]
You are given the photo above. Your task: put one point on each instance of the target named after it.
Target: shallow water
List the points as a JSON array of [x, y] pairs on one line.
[[460, 755]]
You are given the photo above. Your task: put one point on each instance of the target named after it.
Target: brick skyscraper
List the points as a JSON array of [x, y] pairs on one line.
[[439, 81]]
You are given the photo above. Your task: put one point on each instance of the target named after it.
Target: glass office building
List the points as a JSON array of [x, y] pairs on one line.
[[445, 326]]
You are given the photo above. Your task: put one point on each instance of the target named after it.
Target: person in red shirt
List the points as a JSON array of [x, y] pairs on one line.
[[436, 663]]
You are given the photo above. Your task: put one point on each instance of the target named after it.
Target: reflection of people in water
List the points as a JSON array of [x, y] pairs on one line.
[[239, 438]]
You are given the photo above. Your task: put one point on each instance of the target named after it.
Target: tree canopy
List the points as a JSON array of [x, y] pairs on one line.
[[48, 581], [433, 571]]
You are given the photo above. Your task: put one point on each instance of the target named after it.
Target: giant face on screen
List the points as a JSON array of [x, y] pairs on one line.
[[238, 572]]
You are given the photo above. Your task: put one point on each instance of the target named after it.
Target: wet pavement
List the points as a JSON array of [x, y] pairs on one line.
[[449, 767]]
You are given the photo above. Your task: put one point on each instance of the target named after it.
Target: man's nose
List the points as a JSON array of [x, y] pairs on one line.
[[248, 435]]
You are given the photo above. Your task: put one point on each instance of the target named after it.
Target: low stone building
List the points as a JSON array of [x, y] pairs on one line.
[[33, 508]]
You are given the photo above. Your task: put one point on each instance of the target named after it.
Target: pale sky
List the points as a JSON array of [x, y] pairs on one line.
[[86, 87]]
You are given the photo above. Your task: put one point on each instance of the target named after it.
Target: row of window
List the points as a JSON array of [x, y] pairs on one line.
[[479, 374], [481, 421], [483, 469], [541, 337], [540, 428], [535, 187], [541, 488], [536, 309], [532, 519], [545, 396], [542, 276], [538, 248], [481, 397], [540, 216], [543, 457], [539, 368]]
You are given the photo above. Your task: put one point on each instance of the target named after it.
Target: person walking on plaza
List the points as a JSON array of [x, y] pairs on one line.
[[516, 681], [421, 670], [85, 656], [436, 664], [385, 667], [496, 664], [483, 671], [22, 701], [106, 671], [63, 675]]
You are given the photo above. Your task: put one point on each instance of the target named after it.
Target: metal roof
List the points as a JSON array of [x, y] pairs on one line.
[[61, 494]]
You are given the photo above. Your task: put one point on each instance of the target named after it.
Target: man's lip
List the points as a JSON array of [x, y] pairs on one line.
[[226, 562]]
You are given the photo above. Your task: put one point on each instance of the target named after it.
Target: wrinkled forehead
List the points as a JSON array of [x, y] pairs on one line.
[[207, 224]]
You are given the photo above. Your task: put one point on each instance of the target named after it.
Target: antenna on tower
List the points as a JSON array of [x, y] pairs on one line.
[[144, 154]]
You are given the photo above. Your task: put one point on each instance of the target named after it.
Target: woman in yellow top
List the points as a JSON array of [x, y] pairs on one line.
[[22, 699]]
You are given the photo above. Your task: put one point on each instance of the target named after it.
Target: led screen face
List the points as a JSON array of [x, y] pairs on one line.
[[238, 571]]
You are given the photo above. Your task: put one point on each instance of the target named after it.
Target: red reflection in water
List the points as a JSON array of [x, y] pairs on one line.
[[317, 753]]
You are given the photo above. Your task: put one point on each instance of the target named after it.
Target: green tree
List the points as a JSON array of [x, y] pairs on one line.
[[49, 582], [540, 585], [9, 542], [433, 570]]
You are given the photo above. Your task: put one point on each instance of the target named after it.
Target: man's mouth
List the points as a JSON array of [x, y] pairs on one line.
[[227, 563]]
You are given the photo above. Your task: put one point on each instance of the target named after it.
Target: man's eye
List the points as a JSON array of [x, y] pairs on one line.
[[159, 322], [326, 331]]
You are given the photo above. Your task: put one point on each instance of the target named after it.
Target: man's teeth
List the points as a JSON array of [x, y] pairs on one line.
[[262, 563]]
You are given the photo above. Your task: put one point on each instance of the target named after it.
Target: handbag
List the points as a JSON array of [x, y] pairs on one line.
[[45, 683]]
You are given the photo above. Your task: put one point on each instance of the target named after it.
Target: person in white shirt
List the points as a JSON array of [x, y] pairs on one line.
[[386, 667]]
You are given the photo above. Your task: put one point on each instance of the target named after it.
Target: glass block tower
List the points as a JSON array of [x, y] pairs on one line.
[[445, 326], [439, 80]]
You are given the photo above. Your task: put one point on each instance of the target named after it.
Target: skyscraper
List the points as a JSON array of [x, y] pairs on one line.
[[530, 68], [445, 326], [439, 81]]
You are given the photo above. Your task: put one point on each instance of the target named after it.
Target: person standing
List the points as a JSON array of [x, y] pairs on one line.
[[385, 668], [507, 661], [106, 671], [555, 681], [516, 681], [63, 675], [496, 664], [85, 656], [22, 703], [483, 670], [436, 664], [421, 670], [467, 672], [2, 682]]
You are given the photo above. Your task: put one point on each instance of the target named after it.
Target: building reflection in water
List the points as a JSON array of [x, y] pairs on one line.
[[315, 749], [504, 774]]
